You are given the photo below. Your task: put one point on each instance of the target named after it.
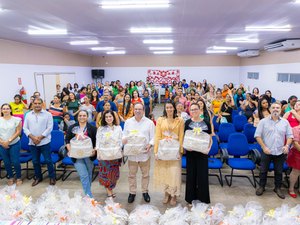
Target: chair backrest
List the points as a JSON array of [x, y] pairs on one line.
[[225, 129], [239, 121], [57, 140], [93, 123], [215, 123], [24, 142], [237, 144], [55, 125], [249, 131], [214, 150], [234, 113]]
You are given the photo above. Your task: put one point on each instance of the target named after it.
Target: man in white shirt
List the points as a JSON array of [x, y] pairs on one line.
[[146, 128], [37, 127]]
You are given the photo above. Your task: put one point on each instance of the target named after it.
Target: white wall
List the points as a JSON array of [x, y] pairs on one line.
[[268, 79], [9, 74], [215, 75]]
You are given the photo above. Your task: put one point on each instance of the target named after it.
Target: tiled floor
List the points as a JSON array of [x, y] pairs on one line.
[[240, 192]]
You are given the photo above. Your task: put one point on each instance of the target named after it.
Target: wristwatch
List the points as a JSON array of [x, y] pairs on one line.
[[9, 140]]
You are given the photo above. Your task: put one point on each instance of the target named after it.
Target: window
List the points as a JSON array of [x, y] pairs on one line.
[[253, 75], [288, 77]]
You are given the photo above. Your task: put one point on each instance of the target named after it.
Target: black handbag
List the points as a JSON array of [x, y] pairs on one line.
[[63, 152]]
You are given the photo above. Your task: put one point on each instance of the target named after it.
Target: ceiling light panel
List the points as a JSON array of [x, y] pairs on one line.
[[160, 48], [86, 42], [159, 30], [158, 41], [285, 28], [103, 48], [163, 52], [47, 32], [134, 4], [242, 40], [224, 48], [116, 53]]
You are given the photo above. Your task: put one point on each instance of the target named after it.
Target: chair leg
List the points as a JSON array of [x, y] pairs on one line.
[[231, 175], [254, 180], [221, 178]]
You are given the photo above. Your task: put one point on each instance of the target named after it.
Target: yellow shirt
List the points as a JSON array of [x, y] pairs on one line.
[[176, 127], [17, 108], [216, 104]]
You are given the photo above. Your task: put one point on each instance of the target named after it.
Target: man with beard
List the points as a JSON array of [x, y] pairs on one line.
[[271, 134], [106, 98]]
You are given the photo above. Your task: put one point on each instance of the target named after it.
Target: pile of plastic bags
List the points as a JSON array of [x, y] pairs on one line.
[[57, 207]]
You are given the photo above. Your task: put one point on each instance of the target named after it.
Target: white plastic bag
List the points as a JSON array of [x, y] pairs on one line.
[[110, 143], [196, 140], [81, 145], [144, 214], [136, 143], [174, 216], [169, 147]]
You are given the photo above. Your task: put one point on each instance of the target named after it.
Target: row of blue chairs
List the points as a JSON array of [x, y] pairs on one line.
[[238, 150]]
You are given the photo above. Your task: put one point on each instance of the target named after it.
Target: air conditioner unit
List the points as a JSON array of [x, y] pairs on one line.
[[283, 45], [248, 53]]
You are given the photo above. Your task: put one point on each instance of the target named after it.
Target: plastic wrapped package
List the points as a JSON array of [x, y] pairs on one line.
[[13, 205], [136, 143], [282, 215], [174, 216], [114, 214], [56, 206], [196, 140], [144, 214], [81, 145], [168, 149], [253, 214], [109, 146], [201, 213], [234, 216]]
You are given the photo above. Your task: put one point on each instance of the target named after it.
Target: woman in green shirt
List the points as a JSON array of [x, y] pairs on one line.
[[131, 87], [72, 106]]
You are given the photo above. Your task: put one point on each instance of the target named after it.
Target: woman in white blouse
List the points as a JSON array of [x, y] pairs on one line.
[[109, 172], [10, 146]]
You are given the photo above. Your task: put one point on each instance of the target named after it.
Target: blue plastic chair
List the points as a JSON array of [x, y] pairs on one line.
[[55, 125], [1, 176], [237, 147], [213, 162], [57, 140], [225, 129], [239, 121], [216, 124]]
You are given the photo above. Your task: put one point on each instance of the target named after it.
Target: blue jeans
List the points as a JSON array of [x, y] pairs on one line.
[[11, 156], [36, 152], [84, 169]]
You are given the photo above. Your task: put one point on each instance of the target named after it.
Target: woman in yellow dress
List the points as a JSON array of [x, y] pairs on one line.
[[167, 173]]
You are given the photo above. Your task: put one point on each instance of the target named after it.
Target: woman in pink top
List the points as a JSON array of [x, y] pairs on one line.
[[293, 159]]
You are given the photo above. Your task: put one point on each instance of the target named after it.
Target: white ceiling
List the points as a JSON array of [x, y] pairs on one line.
[[197, 24]]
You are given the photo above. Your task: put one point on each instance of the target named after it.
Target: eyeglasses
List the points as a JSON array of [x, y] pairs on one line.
[[138, 109]]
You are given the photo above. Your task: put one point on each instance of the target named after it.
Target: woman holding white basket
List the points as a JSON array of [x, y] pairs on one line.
[[81, 143], [197, 143], [168, 149], [109, 151]]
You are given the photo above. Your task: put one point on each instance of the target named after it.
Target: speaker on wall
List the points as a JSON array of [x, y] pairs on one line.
[[97, 74]]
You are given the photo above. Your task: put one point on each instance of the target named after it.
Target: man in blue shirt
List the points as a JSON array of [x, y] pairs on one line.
[[275, 136], [106, 97], [37, 127]]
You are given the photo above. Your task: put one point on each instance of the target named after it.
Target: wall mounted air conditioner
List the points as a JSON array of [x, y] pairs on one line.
[[248, 53], [283, 45]]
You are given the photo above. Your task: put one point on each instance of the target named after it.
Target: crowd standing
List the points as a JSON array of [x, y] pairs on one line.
[[104, 118]]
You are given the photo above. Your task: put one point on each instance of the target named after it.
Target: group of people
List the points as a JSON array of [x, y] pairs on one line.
[[120, 112]]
